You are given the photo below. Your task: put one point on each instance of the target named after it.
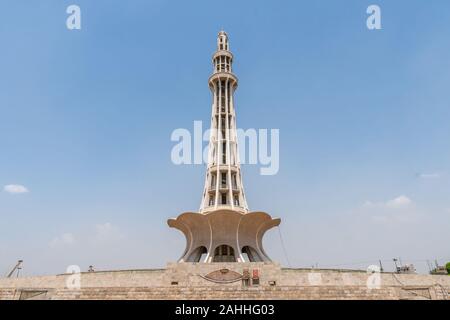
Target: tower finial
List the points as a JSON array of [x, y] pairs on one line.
[[222, 41]]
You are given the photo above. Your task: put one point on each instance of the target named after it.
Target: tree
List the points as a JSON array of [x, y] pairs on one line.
[[447, 266]]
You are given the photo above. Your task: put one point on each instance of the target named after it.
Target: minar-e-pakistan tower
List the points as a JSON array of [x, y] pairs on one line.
[[223, 230]]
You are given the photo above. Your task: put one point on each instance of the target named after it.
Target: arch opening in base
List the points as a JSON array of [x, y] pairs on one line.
[[197, 255], [251, 254], [224, 253]]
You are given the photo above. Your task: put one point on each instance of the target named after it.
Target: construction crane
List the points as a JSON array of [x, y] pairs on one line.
[[17, 268], [407, 268]]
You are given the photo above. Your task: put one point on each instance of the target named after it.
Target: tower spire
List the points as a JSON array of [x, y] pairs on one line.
[[222, 41], [223, 184]]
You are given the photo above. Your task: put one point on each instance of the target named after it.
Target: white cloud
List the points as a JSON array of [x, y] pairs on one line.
[[399, 202], [104, 234], [15, 189], [396, 203], [434, 175], [397, 210], [64, 239], [107, 233]]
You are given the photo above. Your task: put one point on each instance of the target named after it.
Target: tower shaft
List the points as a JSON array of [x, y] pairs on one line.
[[223, 184]]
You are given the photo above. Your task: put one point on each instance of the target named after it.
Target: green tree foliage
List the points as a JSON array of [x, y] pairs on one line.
[[447, 266]]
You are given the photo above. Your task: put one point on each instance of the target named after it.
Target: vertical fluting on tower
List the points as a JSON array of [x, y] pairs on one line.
[[223, 184]]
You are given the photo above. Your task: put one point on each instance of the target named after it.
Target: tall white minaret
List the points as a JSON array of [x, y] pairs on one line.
[[223, 230], [223, 184]]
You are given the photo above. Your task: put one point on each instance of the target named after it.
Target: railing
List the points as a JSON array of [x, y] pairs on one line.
[[210, 207], [224, 186]]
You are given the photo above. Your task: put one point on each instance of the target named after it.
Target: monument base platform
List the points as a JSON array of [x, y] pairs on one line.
[[227, 281]]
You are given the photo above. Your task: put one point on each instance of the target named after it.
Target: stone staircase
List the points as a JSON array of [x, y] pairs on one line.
[[227, 293], [442, 293], [7, 294]]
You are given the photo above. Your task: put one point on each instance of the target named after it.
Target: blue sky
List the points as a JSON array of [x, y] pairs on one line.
[[86, 118]]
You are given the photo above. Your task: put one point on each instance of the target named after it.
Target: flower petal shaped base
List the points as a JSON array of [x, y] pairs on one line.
[[224, 235]]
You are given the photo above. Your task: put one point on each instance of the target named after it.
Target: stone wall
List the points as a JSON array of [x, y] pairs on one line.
[[225, 281]]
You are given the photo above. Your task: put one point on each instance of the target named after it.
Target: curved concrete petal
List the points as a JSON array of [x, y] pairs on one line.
[[196, 230]]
